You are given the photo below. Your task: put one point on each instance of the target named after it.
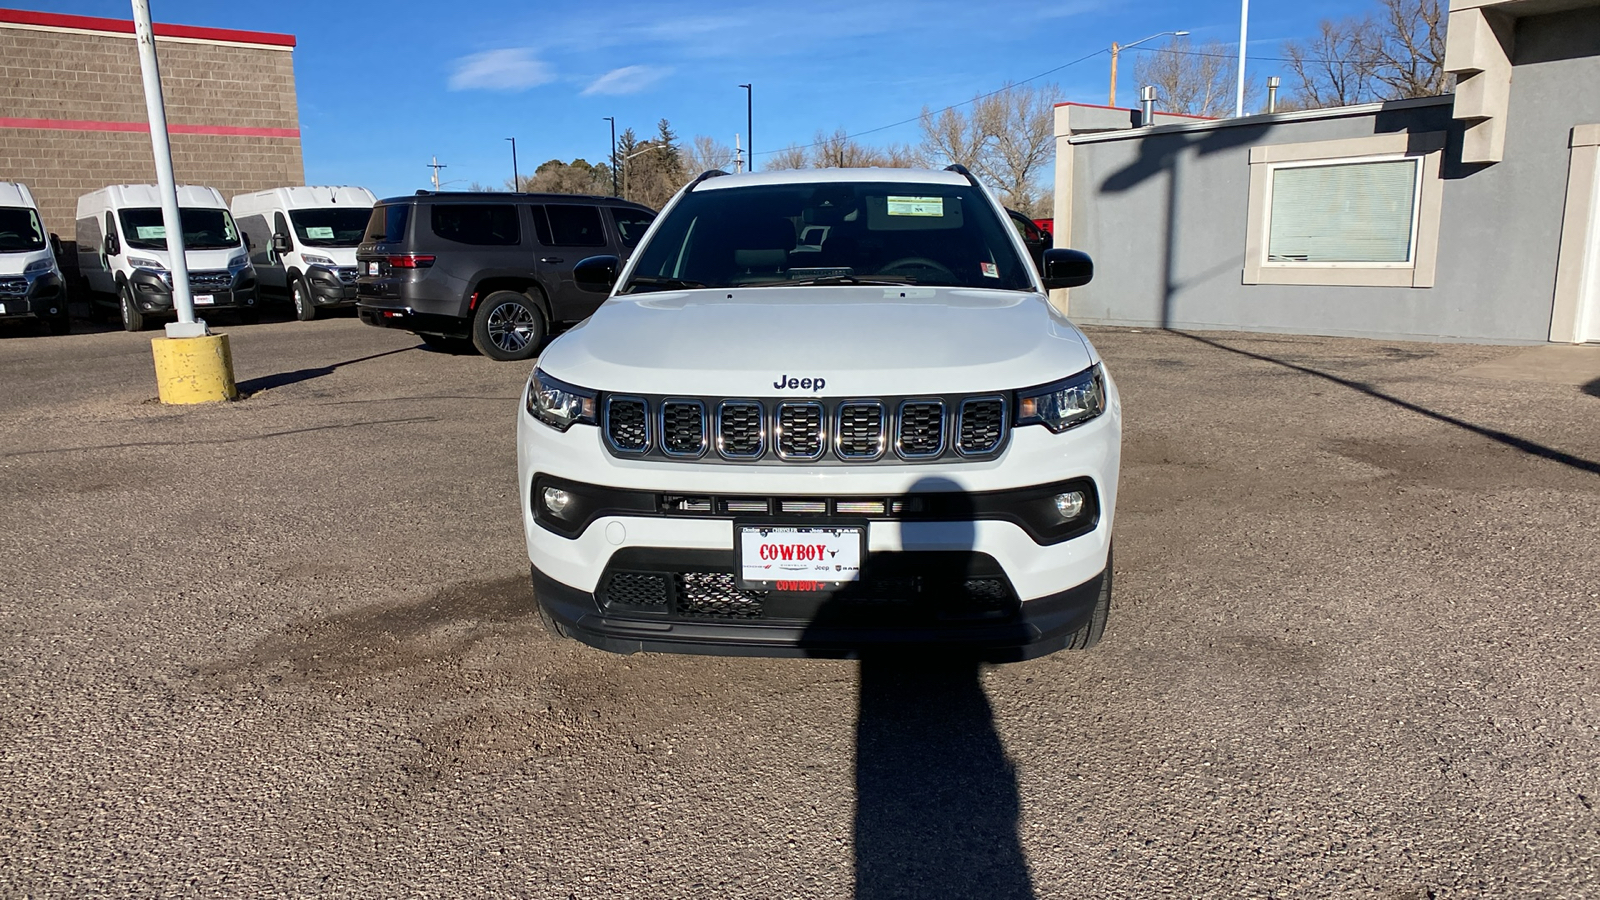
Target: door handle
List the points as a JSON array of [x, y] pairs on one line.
[[550, 259]]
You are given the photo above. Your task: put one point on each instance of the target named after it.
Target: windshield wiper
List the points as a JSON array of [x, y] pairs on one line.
[[848, 279], [671, 284]]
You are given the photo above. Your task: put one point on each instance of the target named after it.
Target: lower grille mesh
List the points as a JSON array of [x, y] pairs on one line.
[[715, 595], [637, 589]]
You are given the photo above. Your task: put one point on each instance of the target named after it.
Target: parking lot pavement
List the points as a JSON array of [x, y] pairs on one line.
[[286, 646]]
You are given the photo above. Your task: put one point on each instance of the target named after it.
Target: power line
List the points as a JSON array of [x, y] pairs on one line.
[[919, 117]]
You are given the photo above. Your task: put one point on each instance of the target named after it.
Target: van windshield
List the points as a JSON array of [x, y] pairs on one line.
[[831, 233], [203, 229], [20, 230], [342, 227]]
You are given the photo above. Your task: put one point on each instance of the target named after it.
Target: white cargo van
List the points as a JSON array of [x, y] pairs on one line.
[[30, 281], [122, 254], [303, 242]]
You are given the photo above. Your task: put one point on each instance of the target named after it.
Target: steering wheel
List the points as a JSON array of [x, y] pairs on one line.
[[920, 262]]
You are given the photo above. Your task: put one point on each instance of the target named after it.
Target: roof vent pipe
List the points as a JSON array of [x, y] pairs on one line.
[[1147, 103], [1272, 93]]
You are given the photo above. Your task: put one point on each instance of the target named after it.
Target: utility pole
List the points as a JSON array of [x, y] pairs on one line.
[[749, 127], [436, 166], [516, 180], [738, 155], [1244, 30], [613, 166]]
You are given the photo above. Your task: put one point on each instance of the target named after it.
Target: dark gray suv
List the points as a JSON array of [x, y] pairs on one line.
[[494, 269]]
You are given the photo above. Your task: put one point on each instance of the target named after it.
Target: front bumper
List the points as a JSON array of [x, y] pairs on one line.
[[328, 290], [42, 298], [1043, 587]]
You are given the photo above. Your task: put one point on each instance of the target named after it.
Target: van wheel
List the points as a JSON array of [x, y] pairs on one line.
[[508, 327], [132, 318], [304, 309]]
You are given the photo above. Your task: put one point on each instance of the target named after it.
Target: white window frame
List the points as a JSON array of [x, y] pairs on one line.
[[1265, 161]]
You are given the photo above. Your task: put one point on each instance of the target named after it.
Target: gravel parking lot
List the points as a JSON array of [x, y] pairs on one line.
[[287, 646]]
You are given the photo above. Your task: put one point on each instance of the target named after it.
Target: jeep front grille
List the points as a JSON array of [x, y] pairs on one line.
[[627, 424], [920, 431], [683, 428], [854, 431]]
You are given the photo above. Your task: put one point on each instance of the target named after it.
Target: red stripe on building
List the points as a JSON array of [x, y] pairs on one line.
[[125, 26], [87, 125]]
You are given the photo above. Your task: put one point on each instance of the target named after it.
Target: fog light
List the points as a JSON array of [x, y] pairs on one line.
[[556, 500], [1069, 504]]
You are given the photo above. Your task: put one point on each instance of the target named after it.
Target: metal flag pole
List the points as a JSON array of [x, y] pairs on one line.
[[171, 218]]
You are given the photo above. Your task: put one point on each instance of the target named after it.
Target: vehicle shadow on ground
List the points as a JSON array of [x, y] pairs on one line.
[[283, 379], [937, 803], [1531, 448]]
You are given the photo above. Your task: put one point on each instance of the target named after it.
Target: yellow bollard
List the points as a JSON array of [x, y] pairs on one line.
[[194, 369]]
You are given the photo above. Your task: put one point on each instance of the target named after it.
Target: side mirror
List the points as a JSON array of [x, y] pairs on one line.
[[245, 236], [111, 245], [280, 243], [597, 274], [1066, 269], [55, 244]]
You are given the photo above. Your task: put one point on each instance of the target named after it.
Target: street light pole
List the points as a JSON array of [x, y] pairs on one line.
[[1117, 49], [171, 217], [1244, 29], [613, 121], [516, 179], [749, 128]]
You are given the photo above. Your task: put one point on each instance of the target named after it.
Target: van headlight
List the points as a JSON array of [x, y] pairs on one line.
[[38, 267], [239, 262], [311, 259], [559, 404], [1066, 403]]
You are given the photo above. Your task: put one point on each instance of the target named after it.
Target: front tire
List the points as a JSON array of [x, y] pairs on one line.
[[508, 327], [305, 309], [1092, 630], [132, 318]]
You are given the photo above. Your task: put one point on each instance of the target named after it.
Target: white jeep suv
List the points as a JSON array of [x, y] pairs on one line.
[[824, 413]]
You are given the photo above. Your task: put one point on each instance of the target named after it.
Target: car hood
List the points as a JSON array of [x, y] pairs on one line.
[[14, 263], [859, 340]]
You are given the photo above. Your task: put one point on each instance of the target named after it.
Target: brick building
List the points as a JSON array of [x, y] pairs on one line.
[[72, 113]]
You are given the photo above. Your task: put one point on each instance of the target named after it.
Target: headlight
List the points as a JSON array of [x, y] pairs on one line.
[[38, 266], [239, 262], [311, 259], [1066, 403], [139, 262], [559, 404]]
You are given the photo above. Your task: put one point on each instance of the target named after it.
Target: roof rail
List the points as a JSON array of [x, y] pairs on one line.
[[961, 170], [709, 173]]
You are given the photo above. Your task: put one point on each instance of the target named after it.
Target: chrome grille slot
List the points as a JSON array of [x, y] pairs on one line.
[[920, 429], [627, 424], [800, 434], [804, 507], [745, 506], [861, 431], [859, 507], [683, 428], [741, 433], [982, 426]]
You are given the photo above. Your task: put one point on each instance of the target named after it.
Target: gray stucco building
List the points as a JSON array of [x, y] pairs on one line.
[[1470, 216]]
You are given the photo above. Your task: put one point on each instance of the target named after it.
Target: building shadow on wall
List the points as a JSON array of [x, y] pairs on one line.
[[937, 804]]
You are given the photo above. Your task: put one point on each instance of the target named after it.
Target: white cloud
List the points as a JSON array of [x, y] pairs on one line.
[[626, 80], [515, 69]]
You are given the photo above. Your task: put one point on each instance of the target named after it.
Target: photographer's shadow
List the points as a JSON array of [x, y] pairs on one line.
[[937, 805]]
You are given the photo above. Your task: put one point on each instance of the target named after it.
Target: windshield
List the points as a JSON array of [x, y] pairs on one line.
[[20, 230], [203, 229], [342, 227], [849, 233]]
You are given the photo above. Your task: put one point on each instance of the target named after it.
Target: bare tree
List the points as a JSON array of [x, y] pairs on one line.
[[1395, 55], [790, 157], [706, 153], [1199, 81], [1006, 138]]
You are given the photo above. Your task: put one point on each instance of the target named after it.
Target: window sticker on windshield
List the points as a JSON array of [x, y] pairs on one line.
[[151, 232], [319, 233], [990, 270], [916, 206]]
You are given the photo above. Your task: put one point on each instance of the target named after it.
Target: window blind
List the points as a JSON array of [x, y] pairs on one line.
[[1345, 212]]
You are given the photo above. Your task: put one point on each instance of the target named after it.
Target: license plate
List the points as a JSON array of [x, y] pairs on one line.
[[3, 309], [799, 557], [203, 300], [372, 268]]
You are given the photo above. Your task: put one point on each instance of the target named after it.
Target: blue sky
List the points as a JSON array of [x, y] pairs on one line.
[[383, 87]]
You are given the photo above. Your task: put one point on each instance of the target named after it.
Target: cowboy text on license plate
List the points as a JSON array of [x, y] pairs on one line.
[[799, 557], [203, 300]]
